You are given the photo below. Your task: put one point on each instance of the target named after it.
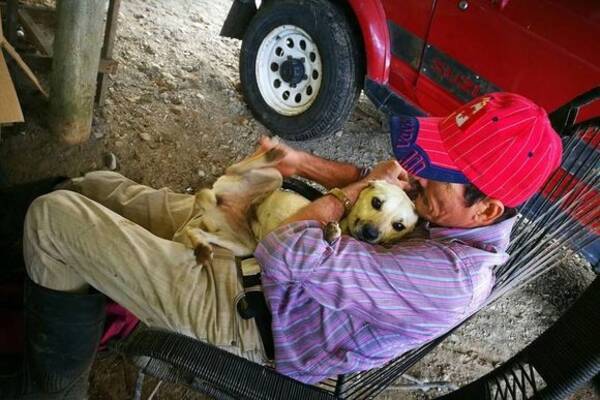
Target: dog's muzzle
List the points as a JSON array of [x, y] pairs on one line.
[[368, 233]]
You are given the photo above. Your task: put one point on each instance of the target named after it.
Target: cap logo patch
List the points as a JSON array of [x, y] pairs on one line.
[[472, 113]]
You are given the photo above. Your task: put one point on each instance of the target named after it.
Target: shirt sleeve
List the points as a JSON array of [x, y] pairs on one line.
[[412, 283]]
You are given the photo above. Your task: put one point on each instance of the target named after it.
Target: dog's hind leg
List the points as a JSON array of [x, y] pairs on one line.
[[265, 159], [202, 241], [202, 248], [247, 189]]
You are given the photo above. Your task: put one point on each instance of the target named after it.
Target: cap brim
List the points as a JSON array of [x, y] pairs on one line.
[[418, 147]]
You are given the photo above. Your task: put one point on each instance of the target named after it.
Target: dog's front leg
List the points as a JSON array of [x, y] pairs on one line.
[[332, 231]]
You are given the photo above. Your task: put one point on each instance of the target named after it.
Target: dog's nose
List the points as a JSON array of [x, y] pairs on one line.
[[370, 233]]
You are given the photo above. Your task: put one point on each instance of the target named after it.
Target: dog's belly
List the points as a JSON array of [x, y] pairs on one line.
[[278, 206]]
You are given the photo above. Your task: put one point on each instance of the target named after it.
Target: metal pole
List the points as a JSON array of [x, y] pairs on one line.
[[107, 49], [77, 44]]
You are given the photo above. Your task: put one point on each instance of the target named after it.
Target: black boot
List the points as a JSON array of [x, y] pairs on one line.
[[62, 332], [14, 202]]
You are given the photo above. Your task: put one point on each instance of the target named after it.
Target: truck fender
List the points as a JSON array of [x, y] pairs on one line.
[[238, 18], [371, 19]]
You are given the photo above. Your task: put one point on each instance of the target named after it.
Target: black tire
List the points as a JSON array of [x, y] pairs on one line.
[[342, 65]]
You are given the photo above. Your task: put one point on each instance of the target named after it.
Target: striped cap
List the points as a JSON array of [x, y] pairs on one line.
[[502, 143]]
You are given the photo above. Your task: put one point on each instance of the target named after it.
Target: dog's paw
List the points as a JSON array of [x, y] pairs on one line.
[[204, 254], [332, 232], [274, 155]]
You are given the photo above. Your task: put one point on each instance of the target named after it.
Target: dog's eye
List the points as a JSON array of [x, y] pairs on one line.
[[376, 203], [398, 226]]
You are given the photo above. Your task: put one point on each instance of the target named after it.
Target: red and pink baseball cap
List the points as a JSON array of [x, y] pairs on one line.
[[502, 143]]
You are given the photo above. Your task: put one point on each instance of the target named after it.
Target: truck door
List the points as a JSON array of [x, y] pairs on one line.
[[547, 50], [408, 22]]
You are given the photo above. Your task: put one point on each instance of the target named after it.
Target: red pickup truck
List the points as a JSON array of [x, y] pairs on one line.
[[304, 62]]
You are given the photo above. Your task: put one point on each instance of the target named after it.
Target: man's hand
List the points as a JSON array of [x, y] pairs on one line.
[[290, 163], [391, 172]]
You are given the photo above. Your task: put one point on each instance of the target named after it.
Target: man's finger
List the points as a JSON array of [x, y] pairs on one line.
[[403, 176], [264, 144], [264, 141], [404, 185], [402, 173]]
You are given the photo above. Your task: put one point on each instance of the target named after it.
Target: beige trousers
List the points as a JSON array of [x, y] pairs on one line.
[[114, 234]]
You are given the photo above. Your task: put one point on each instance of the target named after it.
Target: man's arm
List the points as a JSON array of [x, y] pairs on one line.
[[329, 208], [328, 173]]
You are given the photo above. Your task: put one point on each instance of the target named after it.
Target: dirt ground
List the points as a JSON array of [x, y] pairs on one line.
[[175, 117]]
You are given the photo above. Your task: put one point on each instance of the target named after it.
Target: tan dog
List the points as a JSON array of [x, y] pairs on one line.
[[246, 203]]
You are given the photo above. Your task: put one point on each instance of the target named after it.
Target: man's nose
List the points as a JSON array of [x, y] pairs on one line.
[[422, 181]]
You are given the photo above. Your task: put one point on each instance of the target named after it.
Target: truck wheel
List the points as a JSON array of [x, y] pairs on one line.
[[301, 68]]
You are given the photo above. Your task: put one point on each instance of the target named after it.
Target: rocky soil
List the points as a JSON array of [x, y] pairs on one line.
[[175, 117]]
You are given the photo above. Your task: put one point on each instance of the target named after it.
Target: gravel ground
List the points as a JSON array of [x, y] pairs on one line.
[[175, 117]]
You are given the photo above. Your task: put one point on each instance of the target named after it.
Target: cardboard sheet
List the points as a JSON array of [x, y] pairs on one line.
[[10, 110]]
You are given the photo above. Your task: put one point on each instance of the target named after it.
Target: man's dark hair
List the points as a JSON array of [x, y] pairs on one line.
[[474, 195]]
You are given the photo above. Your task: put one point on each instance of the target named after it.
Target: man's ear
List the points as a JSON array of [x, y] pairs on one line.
[[489, 210]]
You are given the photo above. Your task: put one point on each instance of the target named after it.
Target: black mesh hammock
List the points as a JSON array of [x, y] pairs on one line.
[[562, 220]]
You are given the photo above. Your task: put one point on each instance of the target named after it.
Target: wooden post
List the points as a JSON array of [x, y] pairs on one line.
[[77, 44]]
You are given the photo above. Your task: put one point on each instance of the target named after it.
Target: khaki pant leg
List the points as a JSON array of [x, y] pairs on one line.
[[161, 211], [71, 241]]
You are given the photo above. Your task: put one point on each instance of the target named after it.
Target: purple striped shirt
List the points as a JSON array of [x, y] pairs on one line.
[[352, 306]]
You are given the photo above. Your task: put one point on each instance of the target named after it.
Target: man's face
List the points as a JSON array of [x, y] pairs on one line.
[[443, 203]]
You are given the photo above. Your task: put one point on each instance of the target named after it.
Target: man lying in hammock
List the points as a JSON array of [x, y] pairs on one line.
[[336, 309]]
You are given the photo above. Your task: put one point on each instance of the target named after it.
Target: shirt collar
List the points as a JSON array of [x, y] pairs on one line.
[[496, 236]]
